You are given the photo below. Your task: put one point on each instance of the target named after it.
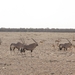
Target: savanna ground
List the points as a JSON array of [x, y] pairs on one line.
[[46, 60]]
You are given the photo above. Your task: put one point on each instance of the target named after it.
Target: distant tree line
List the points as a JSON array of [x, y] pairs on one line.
[[35, 30]]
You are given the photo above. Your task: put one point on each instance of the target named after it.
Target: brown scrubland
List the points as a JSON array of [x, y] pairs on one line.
[[47, 58]]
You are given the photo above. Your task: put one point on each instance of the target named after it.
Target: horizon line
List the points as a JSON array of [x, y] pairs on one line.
[[33, 28]]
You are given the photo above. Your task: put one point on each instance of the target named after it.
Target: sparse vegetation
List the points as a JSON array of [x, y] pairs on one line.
[[47, 60], [35, 30]]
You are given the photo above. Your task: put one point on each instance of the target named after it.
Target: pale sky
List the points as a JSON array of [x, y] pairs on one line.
[[37, 13]]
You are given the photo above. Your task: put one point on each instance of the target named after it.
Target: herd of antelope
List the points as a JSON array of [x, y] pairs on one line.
[[22, 47]]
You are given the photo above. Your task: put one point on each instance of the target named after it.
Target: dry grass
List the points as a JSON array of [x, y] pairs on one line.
[[47, 60]]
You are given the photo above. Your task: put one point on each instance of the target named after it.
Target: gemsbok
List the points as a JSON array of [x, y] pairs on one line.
[[65, 45], [30, 47], [17, 45]]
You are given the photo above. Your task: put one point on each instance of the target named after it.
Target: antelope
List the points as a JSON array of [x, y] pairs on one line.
[[65, 45], [29, 47], [16, 45]]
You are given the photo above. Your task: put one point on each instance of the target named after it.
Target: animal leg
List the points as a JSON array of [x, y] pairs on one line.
[[24, 52], [31, 53], [60, 48]]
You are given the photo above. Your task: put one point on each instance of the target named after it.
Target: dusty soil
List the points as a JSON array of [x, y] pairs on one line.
[[47, 58]]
